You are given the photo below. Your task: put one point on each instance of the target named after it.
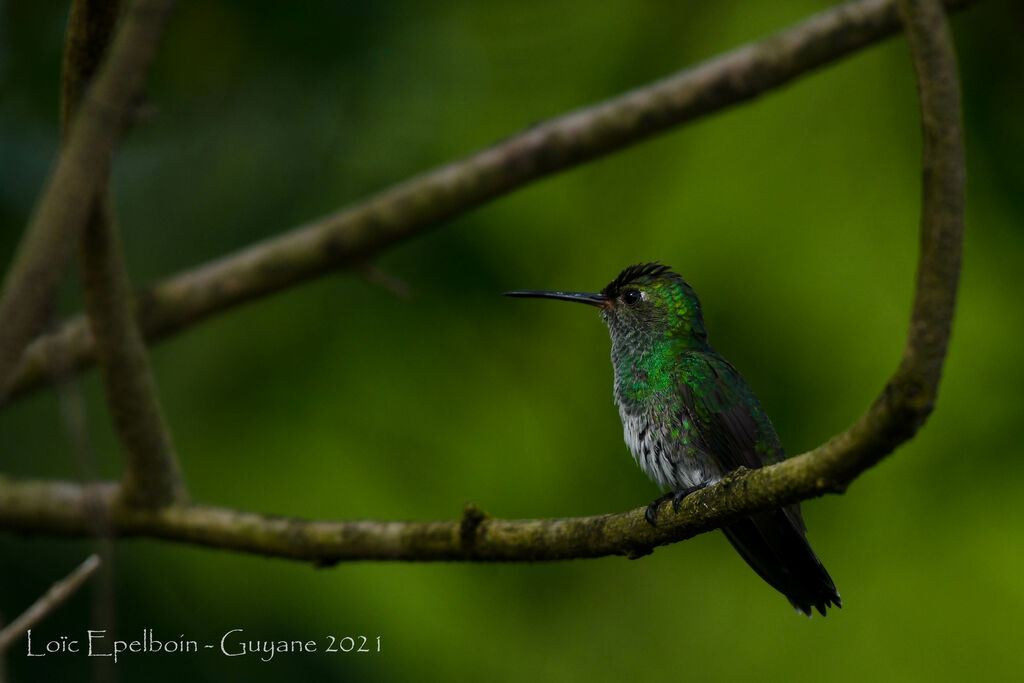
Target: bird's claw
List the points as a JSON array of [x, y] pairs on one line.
[[675, 496], [678, 496], [652, 510]]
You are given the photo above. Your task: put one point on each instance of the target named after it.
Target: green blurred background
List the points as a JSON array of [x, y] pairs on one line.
[[794, 217]]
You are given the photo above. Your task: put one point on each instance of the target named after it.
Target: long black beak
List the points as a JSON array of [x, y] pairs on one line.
[[578, 297]]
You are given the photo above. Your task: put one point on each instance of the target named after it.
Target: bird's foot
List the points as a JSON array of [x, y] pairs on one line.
[[678, 496], [675, 496], [652, 510]]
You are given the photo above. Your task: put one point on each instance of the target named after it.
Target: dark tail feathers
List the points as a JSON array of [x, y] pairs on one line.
[[774, 545]]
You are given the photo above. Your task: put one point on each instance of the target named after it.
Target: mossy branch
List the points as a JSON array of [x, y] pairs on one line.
[[58, 508], [359, 232], [151, 470], [904, 404]]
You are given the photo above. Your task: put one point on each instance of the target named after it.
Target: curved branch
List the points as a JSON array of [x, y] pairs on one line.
[[905, 402], [82, 167], [359, 232]]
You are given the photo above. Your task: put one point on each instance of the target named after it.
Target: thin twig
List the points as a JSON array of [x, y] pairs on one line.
[[50, 601], [390, 283], [357, 233], [72, 406], [82, 166], [73, 413]]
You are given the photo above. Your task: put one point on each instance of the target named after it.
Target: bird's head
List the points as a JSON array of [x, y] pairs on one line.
[[645, 303]]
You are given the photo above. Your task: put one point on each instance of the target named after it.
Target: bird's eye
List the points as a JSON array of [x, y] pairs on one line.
[[631, 297]]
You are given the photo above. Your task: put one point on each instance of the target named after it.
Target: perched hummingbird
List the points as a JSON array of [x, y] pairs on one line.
[[689, 418]]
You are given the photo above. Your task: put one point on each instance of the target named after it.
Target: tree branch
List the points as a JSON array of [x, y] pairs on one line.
[[151, 473], [48, 602], [904, 404], [360, 231], [82, 166], [90, 28], [57, 508]]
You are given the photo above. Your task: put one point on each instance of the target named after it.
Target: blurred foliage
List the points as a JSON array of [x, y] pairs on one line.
[[794, 217]]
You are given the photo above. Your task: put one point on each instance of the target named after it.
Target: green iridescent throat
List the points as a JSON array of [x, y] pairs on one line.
[[651, 374]]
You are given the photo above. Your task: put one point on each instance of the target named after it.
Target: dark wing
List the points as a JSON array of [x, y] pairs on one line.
[[733, 429]]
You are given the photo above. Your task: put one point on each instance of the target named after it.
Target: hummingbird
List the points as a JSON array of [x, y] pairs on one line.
[[689, 418]]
